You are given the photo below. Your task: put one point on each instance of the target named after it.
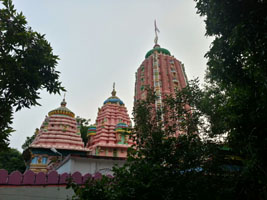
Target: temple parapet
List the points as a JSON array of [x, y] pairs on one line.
[[30, 178]]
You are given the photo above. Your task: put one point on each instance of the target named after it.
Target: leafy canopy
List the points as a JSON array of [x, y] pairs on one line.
[[27, 64], [12, 160], [161, 165], [29, 140], [237, 79], [83, 126]]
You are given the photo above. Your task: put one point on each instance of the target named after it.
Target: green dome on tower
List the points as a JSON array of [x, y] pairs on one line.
[[159, 50]]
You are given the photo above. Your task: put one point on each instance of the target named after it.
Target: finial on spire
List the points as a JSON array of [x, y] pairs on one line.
[[156, 33], [64, 103], [113, 93]]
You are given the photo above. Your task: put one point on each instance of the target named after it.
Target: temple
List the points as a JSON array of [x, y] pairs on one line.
[[58, 144], [161, 72], [59, 140], [110, 136], [58, 136], [58, 150]]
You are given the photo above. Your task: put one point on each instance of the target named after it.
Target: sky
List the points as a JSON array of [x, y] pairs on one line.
[[102, 41]]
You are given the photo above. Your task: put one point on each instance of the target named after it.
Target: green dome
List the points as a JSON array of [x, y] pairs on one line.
[[159, 50]]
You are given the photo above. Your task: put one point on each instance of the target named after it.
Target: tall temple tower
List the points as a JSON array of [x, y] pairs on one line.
[[110, 136], [161, 72], [58, 137]]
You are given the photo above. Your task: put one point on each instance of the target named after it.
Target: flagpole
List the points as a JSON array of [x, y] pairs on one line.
[[156, 33]]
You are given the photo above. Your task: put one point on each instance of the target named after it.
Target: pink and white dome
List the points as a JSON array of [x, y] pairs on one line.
[[59, 130]]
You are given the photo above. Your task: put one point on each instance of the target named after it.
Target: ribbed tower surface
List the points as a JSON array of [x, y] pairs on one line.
[[111, 135], [160, 71], [59, 130]]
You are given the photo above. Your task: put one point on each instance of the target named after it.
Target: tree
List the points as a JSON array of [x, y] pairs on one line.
[[83, 125], [12, 160], [237, 84], [162, 165], [29, 140], [27, 64]]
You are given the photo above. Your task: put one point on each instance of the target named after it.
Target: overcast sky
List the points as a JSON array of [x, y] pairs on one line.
[[104, 41]]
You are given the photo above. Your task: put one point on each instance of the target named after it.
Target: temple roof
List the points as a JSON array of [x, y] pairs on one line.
[[159, 50], [112, 129], [59, 130], [114, 99], [91, 130], [62, 110]]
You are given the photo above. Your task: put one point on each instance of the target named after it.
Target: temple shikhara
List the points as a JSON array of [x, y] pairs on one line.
[[58, 144], [110, 136], [160, 71], [58, 133]]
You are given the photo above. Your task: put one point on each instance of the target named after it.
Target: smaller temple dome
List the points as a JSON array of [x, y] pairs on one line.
[[122, 127], [158, 49], [113, 99], [59, 130], [111, 136], [62, 110], [91, 130]]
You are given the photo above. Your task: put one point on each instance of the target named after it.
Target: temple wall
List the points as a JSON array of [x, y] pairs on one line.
[[89, 165], [35, 192], [66, 167], [41, 186]]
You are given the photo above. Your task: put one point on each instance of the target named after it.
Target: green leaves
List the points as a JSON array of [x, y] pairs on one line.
[[94, 189], [28, 141], [12, 160], [164, 164], [83, 125], [237, 67], [27, 64]]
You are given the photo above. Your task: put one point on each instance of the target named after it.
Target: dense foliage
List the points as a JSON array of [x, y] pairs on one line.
[[28, 141], [12, 160], [162, 165], [237, 62], [83, 126], [27, 64]]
